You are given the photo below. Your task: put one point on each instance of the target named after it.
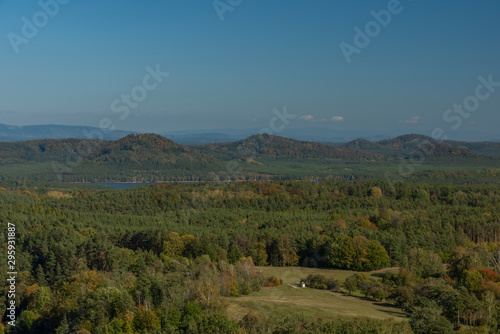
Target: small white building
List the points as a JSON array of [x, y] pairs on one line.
[[302, 284]]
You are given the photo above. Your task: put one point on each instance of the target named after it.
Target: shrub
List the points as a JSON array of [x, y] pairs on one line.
[[313, 281], [353, 283], [333, 284], [273, 281]]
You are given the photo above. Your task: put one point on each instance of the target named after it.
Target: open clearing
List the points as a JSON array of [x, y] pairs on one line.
[[293, 275], [323, 304]]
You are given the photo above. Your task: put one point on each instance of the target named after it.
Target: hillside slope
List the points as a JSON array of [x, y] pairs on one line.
[[151, 158], [44, 150], [443, 151], [406, 145], [280, 147], [147, 147]]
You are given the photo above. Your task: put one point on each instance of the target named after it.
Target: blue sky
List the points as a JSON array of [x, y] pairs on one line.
[[263, 55]]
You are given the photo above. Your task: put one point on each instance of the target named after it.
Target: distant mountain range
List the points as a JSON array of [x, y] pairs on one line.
[[146, 148], [153, 147], [321, 135], [9, 133], [151, 157], [405, 145]]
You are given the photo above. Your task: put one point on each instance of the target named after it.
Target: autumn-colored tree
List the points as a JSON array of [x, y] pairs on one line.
[[37, 297], [258, 253], [228, 282], [145, 320], [207, 293], [283, 252], [173, 245], [360, 245], [376, 192]]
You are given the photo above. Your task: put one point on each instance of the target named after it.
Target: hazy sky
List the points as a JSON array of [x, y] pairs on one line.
[[231, 73]]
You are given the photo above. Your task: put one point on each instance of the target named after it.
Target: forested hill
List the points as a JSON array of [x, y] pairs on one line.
[[276, 146], [408, 144], [443, 150], [153, 147], [152, 158], [147, 147], [42, 150]]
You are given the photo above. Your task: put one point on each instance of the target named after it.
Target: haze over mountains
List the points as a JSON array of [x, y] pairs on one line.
[[188, 137], [13, 133], [10, 133]]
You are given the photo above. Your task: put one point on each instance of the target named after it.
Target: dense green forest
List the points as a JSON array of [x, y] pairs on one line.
[[167, 258]]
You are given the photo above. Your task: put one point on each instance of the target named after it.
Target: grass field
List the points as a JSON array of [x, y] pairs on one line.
[[291, 299], [292, 275]]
